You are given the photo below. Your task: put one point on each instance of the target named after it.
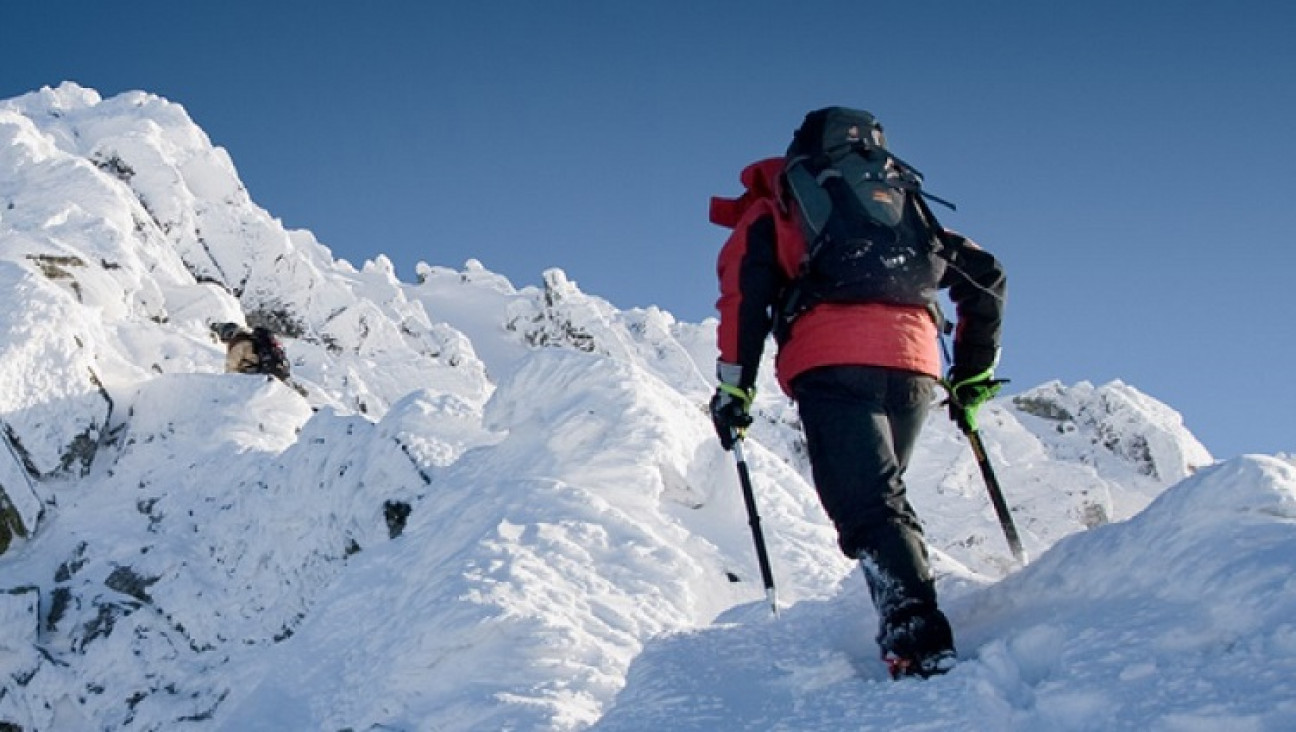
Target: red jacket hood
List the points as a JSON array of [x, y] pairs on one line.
[[762, 180]]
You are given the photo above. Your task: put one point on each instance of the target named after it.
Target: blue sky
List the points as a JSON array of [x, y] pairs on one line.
[[1130, 163]]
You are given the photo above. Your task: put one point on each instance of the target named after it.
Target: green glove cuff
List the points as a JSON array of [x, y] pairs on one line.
[[743, 395], [987, 375]]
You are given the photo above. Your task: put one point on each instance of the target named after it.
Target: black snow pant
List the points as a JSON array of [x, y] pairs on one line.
[[861, 424]]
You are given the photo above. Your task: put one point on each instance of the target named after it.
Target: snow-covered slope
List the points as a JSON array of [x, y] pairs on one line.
[[504, 508], [1179, 619]]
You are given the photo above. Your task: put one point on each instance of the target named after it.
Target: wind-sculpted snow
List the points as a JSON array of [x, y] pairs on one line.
[[503, 507], [537, 566]]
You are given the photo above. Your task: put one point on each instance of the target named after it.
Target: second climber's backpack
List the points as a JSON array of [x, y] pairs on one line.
[[270, 353]]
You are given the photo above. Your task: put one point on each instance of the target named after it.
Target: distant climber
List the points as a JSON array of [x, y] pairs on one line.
[[254, 351]]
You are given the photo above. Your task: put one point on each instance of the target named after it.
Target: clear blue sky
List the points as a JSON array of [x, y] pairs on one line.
[[1131, 163]]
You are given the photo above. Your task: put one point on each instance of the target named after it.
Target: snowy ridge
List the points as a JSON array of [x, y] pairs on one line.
[[504, 508]]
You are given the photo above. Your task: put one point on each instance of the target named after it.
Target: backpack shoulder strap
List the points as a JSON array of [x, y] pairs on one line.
[[808, 193], [946, 247]]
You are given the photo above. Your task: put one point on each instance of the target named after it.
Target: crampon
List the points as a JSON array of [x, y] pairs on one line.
[[924, 668]]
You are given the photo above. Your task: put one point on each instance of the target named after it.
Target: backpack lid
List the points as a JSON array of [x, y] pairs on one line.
[[833, 130], [270, 352]]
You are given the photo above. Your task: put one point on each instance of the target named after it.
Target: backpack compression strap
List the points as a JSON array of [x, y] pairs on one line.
[[815, 203]]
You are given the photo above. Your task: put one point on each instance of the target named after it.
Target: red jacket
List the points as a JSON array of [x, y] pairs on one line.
[[763, 255]]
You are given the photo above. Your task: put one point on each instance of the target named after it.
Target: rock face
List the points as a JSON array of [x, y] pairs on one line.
[[1130, 425]]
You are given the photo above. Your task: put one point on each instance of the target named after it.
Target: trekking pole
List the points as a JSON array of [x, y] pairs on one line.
[[753, 520]]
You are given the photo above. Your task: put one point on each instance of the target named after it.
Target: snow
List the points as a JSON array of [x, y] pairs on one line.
[[503, 507]]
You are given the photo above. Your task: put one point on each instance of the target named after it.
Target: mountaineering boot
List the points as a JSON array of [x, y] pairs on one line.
[[914, 635], [918, 645]]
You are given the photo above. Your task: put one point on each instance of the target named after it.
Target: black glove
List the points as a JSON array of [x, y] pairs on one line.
[[967, 393], [731, 405]]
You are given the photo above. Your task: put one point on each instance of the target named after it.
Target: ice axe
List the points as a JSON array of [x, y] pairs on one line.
[[968, 427], [996, 494]]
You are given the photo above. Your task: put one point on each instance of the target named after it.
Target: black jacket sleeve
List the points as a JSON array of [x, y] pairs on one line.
[[760, 282], [977, 286]]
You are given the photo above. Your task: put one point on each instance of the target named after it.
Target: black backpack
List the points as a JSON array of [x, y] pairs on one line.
[[271, 357], [870, 236]]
